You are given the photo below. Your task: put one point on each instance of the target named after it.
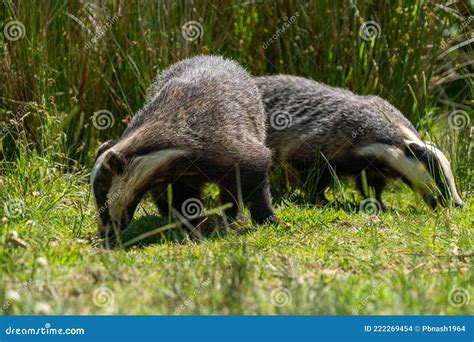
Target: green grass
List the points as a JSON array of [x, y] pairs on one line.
[[327, 260], [52, 63]]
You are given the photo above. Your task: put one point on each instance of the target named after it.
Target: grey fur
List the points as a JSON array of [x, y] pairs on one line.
[[210, 109], [329, 124]]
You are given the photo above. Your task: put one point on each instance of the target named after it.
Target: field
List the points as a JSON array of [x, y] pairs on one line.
[[68, 63]]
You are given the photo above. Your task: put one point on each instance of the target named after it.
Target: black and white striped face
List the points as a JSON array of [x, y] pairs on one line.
[[422, 166], [119, 183], [441, 175], [107, 174]]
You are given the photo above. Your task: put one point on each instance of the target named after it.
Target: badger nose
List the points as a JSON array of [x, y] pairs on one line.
[[459, 204]]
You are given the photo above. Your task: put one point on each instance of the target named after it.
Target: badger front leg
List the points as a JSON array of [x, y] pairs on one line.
[[256, 192], [374, 181]]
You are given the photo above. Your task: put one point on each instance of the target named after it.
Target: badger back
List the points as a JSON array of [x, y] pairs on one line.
[[307, 117], [204, 93]]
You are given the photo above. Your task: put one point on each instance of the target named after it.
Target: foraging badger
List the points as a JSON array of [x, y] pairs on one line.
[[203, 122], [313, 126]]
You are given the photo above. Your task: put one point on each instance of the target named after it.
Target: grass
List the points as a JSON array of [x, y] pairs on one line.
[[327, 260], [77, 58], [92, 56]]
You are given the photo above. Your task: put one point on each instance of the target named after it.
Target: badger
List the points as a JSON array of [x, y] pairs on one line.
[[316, 127], [203, 122]]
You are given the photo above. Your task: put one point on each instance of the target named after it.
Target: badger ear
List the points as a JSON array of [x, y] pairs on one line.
[[114, 162], [104, 147]]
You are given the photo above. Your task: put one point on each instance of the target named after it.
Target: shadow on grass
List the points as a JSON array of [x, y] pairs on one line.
[[152, 229], [352, 207]]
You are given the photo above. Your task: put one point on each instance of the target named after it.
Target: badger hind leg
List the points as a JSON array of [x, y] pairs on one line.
[[374, 181]]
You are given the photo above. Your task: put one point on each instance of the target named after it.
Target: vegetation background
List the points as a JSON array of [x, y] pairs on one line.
[[65, 62]]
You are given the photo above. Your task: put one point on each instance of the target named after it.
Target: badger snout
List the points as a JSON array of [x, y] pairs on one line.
[[433, 202], [112, 228]]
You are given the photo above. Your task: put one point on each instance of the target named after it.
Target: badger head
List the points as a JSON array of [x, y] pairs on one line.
[[114, 205], [120, 178], [440, 188]]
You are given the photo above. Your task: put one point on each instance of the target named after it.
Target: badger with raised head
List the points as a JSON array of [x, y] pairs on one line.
[[203, 122], [312, 126]]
